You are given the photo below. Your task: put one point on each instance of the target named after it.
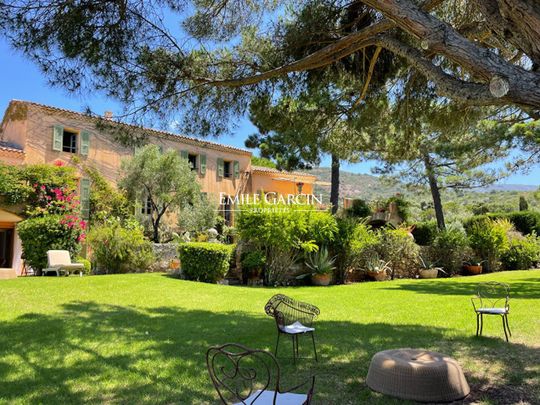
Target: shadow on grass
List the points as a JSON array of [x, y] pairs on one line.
[[94, 353], [525, 288]]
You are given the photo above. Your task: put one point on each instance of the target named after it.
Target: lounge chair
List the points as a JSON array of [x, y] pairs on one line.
[[59, 261]]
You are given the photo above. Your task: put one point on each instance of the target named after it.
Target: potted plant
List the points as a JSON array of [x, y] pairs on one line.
[[428, 268], [473, 267], [377, 268], [252, 266], [321, 267]]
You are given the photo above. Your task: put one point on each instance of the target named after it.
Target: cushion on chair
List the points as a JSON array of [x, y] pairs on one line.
[[281, 399], [497, 311], [296, 328], [58, 258]]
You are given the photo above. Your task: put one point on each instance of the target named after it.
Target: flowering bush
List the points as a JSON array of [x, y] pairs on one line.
[[48, 232], [53, 214]]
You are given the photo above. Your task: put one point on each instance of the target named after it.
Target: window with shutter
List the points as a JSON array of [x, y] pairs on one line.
[[85, 143], [85, 198], [184, 154], [220, 169], [202, 164], [236, 169], [58, 136]]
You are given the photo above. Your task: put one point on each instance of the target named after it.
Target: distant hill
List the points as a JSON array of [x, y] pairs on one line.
[[355, 185], [369, 187]]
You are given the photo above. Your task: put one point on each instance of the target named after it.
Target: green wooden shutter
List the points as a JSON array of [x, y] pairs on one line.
[[85, 143], [236, 168], [202, 164], [184, 154], [58, 138], [220, 168], [85, 198], [160, 148]]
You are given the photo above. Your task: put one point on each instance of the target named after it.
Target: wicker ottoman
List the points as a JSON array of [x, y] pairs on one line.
[[418, 375]]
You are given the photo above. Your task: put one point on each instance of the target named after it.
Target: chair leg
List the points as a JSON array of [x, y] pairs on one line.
[[277, 344], [293, 349], [504, 328], [507, 325], [481, 323], [477, 324], [314, 348]]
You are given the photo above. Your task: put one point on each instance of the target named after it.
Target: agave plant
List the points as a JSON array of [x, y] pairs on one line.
[[319, 262], [426, 263], [376, 265]]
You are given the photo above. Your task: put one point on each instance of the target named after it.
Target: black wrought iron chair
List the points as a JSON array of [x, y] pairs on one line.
[[492, 298], [250, 376], [293, 318]]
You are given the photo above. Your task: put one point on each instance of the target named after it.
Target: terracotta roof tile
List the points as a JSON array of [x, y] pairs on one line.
[[10, 148], [272, 170], [156, 132]]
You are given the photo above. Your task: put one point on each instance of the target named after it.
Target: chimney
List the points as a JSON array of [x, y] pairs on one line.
[[108, 115]]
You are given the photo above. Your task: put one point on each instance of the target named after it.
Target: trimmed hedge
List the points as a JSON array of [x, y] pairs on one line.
[[425, 232], [204, 261], [525, 222]]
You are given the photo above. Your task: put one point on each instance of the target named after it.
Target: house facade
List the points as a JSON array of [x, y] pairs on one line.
[[32, 133]]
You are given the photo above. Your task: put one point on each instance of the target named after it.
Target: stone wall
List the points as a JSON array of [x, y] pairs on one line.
[[166, 258]]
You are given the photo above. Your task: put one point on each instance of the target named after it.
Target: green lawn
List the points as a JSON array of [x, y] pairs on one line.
[[142, 338]]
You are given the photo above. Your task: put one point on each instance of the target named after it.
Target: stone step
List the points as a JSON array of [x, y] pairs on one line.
[[7, 274]]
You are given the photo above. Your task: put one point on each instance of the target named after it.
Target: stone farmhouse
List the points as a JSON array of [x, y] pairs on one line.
[[32, 133]]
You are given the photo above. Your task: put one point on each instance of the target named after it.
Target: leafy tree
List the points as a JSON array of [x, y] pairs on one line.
[[165, 180], [264, 162], [523, 204], [477, 52], [198, 216], [439, 144]]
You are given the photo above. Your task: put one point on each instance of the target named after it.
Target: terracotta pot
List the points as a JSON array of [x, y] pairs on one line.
[[428, 273], [473, 269], [321, 279], [174, 264], [377, 275]]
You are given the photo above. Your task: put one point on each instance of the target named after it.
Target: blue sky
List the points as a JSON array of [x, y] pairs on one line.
[[20, 79]]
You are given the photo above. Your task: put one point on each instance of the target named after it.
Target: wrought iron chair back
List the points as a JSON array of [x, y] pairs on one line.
[[238, 372], [493, 295], [286, 310]]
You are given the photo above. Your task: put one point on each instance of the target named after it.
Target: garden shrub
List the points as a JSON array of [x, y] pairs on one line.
[[488, 238], [283, 232], [402, 205], [522, 253], [86, 263], [424, 232], [358, 209], [449, 249], [120, 247], [341, 246], [398, 247], [49, 232], [364, 244], [105, 200], [203, 261], [525, 222]]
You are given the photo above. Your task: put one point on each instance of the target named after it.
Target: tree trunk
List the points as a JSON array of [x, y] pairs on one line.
[[435, 193], [155, 224], [334, 188]]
